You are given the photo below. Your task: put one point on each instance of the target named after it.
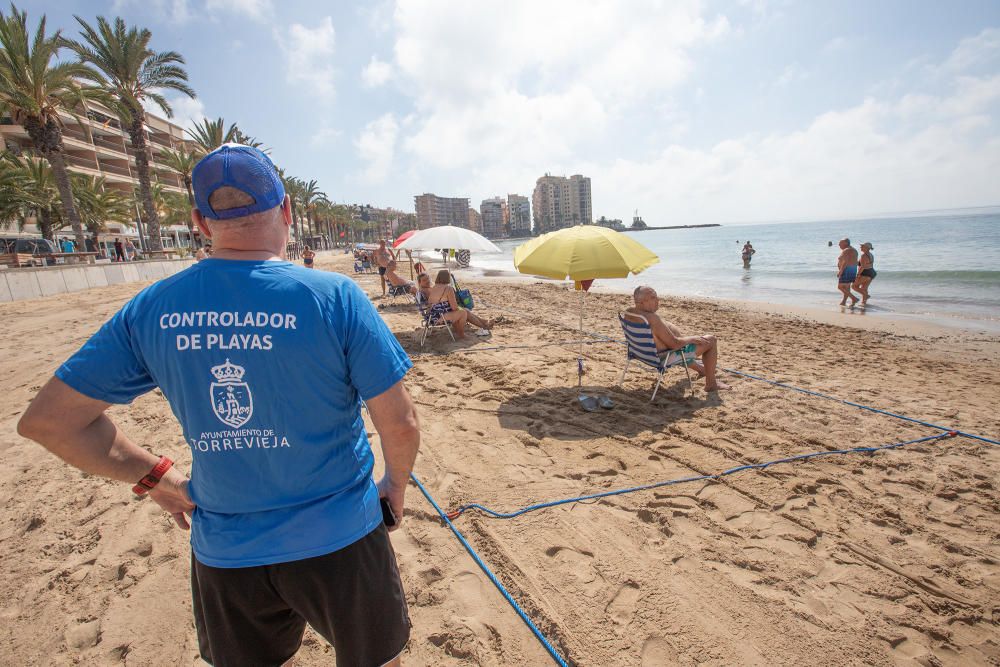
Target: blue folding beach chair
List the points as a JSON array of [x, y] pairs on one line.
[[396, 291], [641, 347], [432, 319]]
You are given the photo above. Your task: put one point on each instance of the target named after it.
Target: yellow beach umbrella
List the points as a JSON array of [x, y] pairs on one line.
[[581, 254]]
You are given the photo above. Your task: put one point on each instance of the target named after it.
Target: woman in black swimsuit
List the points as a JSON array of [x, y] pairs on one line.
[[866, 272]]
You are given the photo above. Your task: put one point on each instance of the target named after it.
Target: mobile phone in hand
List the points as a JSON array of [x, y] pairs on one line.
[[388, 516]]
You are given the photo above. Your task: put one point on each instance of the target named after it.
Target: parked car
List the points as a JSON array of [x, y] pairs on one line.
[[28, 245]]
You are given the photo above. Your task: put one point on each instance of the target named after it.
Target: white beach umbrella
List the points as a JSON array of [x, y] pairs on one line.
[[448, 236]]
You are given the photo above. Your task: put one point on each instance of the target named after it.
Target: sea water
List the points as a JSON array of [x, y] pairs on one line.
[[944, 268]]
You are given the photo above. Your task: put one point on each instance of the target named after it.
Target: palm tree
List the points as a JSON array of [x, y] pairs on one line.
[[100, 205], [34, 91], [210, 134], [293, 188], [37, 196], [241, 138], [136, 74], [13, 183], [183, 161], [311, 196]]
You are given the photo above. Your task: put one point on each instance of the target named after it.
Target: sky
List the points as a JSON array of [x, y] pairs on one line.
[[688, 111]]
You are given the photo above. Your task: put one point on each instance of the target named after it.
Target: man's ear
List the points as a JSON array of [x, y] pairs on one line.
[[198, 219], [286, 210]]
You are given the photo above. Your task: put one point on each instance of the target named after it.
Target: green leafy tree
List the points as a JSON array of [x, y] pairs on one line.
[[13, 183], [34, 90], [310, 197], [100, 205], [38, 195], [135, 74], [183, 161], [294, 188], [209, 134]]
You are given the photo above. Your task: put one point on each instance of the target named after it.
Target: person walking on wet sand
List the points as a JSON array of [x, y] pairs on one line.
[[847, 271], [308, 256], [668, 337], [266, 366], [866, 273]]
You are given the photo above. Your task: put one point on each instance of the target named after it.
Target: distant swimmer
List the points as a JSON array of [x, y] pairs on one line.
[[829, 244], [847, 271], [748, 253], [866, 265]]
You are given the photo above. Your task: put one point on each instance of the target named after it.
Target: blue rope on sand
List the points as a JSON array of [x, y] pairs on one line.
[[684, 480], [489, 573], [862, 406]]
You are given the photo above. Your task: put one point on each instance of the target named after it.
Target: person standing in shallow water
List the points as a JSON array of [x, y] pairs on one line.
[[748, 253], [847, 271], [866, 273]]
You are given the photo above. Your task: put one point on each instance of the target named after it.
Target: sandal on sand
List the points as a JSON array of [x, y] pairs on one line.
[[605, 402], [483, 332], [588, 403]]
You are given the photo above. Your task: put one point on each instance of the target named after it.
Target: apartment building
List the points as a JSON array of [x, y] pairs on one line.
[[561, 202], [494, 212], [518, 216], [434, 211], [96, 144], [475, 221]]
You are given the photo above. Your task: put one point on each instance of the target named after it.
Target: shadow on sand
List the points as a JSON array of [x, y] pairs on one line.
[[556, 412]]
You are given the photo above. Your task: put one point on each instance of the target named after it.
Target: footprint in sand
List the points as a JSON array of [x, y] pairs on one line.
[[578, 564], [656, 652], [466, 589], [621, 609]]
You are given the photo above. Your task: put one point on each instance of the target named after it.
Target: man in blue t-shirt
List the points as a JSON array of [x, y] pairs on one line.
[[265, 365]]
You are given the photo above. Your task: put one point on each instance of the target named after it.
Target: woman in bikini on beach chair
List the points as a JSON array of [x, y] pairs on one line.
[[444, 304]]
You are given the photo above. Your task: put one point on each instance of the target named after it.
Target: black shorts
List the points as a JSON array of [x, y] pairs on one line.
[[381, 270], [353, 597]]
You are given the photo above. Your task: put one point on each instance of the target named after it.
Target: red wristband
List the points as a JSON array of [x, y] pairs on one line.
[[153, 477]]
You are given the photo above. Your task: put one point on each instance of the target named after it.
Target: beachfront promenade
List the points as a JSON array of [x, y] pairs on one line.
[[32, 283]]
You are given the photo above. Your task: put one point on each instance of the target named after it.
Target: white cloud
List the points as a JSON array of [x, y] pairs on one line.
[[187, 110], [377, 147], [174, 11], [836, 45], [258, 10], [502, 94], [324, 136], [309, 56], [376, 73], [521, 84], [982, 49], [792, 73], [918, 151]]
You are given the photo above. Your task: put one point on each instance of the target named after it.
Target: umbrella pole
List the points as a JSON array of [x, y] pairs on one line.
[[579, 358]]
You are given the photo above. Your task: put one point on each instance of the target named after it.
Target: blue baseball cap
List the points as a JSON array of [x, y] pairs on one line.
[[237, 166]]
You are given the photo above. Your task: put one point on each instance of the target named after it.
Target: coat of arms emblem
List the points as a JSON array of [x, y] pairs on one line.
[[232, 401]]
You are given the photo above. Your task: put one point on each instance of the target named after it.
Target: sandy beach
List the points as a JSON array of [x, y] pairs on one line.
[[891, 558]]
